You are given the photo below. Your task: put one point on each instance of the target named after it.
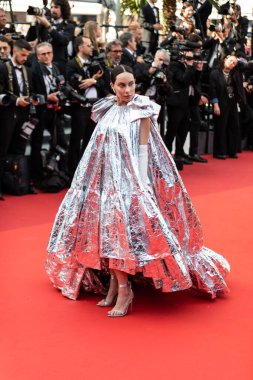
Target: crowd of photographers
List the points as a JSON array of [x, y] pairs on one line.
[[50, 78]]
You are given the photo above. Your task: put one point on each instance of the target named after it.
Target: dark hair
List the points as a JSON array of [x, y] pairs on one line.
[[4, 39], [78, 42], [222, 61], [119, 70], [22, 44], [65, 8], [111, 44], [125, 38], [194, 38]]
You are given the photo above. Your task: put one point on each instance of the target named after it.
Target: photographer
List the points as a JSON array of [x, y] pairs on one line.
[[113, 52], [226, 92], [44, 76], [15, 87], [159, 88], [54, 28], [197, 98], [182, 74], [246, 114], [85, 76]]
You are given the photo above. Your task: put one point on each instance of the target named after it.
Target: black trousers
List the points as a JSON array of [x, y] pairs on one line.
[[49, 120], [12, 119], [178, 126], [226, 129], [195, 124], [82, 128]]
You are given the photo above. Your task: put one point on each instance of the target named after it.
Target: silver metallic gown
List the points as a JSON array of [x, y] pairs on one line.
[[109, 220]]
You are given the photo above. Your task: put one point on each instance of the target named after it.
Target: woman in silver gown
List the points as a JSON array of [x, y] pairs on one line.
[[127, 211]]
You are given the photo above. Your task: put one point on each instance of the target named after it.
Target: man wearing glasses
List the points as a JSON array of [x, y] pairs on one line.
[[44, 76], [113, 53], [80, 73]]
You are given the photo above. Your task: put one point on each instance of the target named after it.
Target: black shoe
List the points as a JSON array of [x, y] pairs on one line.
[[219, 156], [197, 158], [233, 156], [2, 197], [184, 159], [187, 161]]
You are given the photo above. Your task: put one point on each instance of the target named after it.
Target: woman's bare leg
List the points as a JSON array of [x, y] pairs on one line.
[[125, 295], [110, 298], [143, 151]]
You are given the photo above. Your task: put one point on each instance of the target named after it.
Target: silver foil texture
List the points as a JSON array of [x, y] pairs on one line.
[[109, 220]]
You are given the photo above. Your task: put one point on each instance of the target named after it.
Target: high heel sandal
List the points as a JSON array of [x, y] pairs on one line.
[[104, 303], [129, 303]]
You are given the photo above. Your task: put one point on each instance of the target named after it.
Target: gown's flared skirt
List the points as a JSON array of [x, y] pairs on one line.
[[109, 220]]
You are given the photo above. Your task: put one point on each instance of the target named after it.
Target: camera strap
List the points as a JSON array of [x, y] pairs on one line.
[[80, 64], [10, 77]]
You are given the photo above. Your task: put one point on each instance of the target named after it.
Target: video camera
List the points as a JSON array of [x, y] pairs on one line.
[[178, 48]]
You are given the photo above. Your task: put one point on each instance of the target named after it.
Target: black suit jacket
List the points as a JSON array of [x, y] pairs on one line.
[[127, 58], [181, 77], [59, 37], [38, 71], [148, 19], [4, 83], [218, 87], [73, 67]]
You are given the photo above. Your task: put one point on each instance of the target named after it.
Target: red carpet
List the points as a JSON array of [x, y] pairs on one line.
[[168, 336]]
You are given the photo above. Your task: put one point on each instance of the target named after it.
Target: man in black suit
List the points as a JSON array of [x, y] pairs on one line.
[[150, 22], [226, 91], [92, 87], [129, 46], [44, 76], [15, 80], [181, 75], [58, 31]]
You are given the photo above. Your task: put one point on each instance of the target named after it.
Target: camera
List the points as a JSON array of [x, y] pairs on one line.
[[148, 58], [28, 127], [97, 64], [51, 162], [226, 9], [6, 99], [40, 99], [178, 29], [67, 92], [35, 11], [159, 77]]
